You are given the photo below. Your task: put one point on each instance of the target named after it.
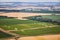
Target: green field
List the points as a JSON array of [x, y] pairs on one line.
[[11, 24], [41, 31], [55, 17], [24, 27], [52, 17]]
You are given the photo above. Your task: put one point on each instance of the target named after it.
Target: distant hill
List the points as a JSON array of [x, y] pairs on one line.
[[29, 3]]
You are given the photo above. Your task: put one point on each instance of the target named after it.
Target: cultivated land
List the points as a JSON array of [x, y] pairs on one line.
[[45, 37], [20, 15], [30, 27]]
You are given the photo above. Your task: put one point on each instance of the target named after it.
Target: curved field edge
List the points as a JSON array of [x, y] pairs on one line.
[[17, 26], [14, 24], [41, 31]]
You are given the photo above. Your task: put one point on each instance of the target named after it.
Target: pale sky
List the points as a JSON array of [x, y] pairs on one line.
[[29, 0]]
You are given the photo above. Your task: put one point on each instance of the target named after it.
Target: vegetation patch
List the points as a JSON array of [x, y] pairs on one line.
[[4, 35], [41, 31], [18, 26]]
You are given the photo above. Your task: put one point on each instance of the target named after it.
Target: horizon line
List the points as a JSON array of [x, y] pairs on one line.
[[34, 2]]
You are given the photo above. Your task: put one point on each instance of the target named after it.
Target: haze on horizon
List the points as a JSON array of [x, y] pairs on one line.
[[29, 0]]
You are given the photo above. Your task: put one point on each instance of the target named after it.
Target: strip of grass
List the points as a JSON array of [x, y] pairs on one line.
[[41, 31], [11, 24]]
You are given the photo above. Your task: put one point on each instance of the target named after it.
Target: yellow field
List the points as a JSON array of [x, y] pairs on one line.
[[46, 37], [20, 15]]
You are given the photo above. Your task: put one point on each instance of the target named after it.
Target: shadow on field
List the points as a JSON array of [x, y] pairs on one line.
[[4, 35], [41, 19], [5, 17]]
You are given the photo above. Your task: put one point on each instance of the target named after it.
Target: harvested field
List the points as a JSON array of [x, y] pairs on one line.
[[45, 37], [20, 15]]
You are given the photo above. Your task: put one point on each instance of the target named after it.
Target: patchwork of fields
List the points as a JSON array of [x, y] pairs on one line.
[[30, 27]]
